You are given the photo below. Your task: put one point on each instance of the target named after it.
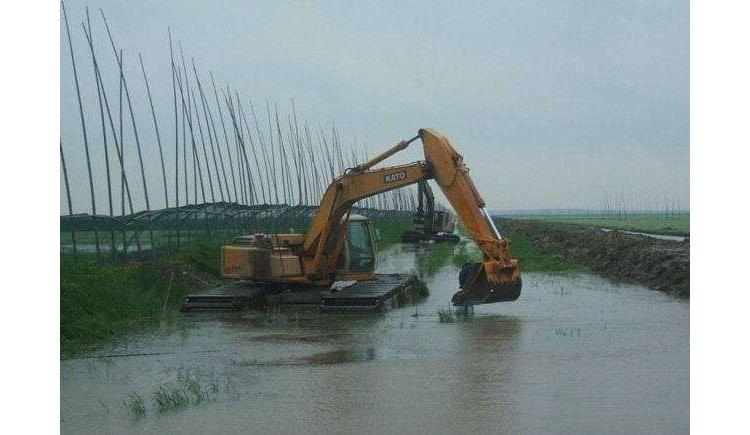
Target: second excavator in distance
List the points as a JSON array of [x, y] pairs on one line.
[[340, 246], [430, 222]]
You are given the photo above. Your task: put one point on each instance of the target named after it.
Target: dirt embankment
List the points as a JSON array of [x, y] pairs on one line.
[[659, 264]]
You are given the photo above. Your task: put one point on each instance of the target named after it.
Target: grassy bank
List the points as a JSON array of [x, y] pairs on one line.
[[100, 300], [533, 259], [675, 225], [658, 264], [530, 257]]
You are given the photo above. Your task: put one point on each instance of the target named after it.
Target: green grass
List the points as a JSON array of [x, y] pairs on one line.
[[100, 300], [103, 299], [435, 257], [466, 253], [186, 391], [135, 405], [533, 259], [676, 225], [530, 258], [390, 230]]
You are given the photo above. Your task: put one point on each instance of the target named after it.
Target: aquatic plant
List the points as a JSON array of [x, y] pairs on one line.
[[136, 405], [186, 391], [446, 315]]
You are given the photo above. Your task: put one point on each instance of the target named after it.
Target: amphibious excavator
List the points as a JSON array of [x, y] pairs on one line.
[[342, 247], [430, 223]]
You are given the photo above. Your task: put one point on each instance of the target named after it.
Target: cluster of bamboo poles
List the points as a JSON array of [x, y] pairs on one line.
[[224, 150]]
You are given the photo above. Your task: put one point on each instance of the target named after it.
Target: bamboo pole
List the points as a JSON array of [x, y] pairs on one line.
[[83, 126], [156, 129], [228, 101], [248, 170], [226, 138], [264, 153], [208, 132], [295, 160], [187, 109], [273, 154], [123, 85], [218, 149], [252, 148], [70, 202], [130, 110], [112, 246], [184, 140], [317, 175], [329, 153], [122, 150], [176, 128], [196, 166], [300, 156], [205, 153], [118, 148], [285, 175]]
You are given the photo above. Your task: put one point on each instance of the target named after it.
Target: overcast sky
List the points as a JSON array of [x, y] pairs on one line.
[[554, 104]]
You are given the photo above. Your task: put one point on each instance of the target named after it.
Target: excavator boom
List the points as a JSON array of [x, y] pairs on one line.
[[495, 279]]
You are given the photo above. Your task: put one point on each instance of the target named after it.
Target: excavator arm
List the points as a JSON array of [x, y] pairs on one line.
[[495, 279]]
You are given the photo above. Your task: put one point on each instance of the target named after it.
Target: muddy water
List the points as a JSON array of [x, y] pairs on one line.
[[576, 353]]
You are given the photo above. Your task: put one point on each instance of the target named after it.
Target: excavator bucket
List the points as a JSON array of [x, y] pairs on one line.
[[477, 289]]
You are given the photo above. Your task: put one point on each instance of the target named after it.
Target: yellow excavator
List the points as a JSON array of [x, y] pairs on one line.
[[340, 246]]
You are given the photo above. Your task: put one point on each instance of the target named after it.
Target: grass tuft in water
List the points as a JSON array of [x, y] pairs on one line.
[[136, 405], [446, 315], [186, 391]]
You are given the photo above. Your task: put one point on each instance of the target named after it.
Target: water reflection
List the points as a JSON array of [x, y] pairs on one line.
[[504, 368], [489, 358]]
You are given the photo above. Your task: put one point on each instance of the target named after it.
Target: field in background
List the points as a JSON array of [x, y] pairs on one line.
[[652, 223]]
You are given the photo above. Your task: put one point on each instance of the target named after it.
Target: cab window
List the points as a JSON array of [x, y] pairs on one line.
[[359, 244]]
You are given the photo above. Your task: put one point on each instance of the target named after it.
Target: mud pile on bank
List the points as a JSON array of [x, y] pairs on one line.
[[659, 264]]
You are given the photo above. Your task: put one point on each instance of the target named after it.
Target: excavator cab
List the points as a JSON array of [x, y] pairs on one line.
[[358, 257]]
